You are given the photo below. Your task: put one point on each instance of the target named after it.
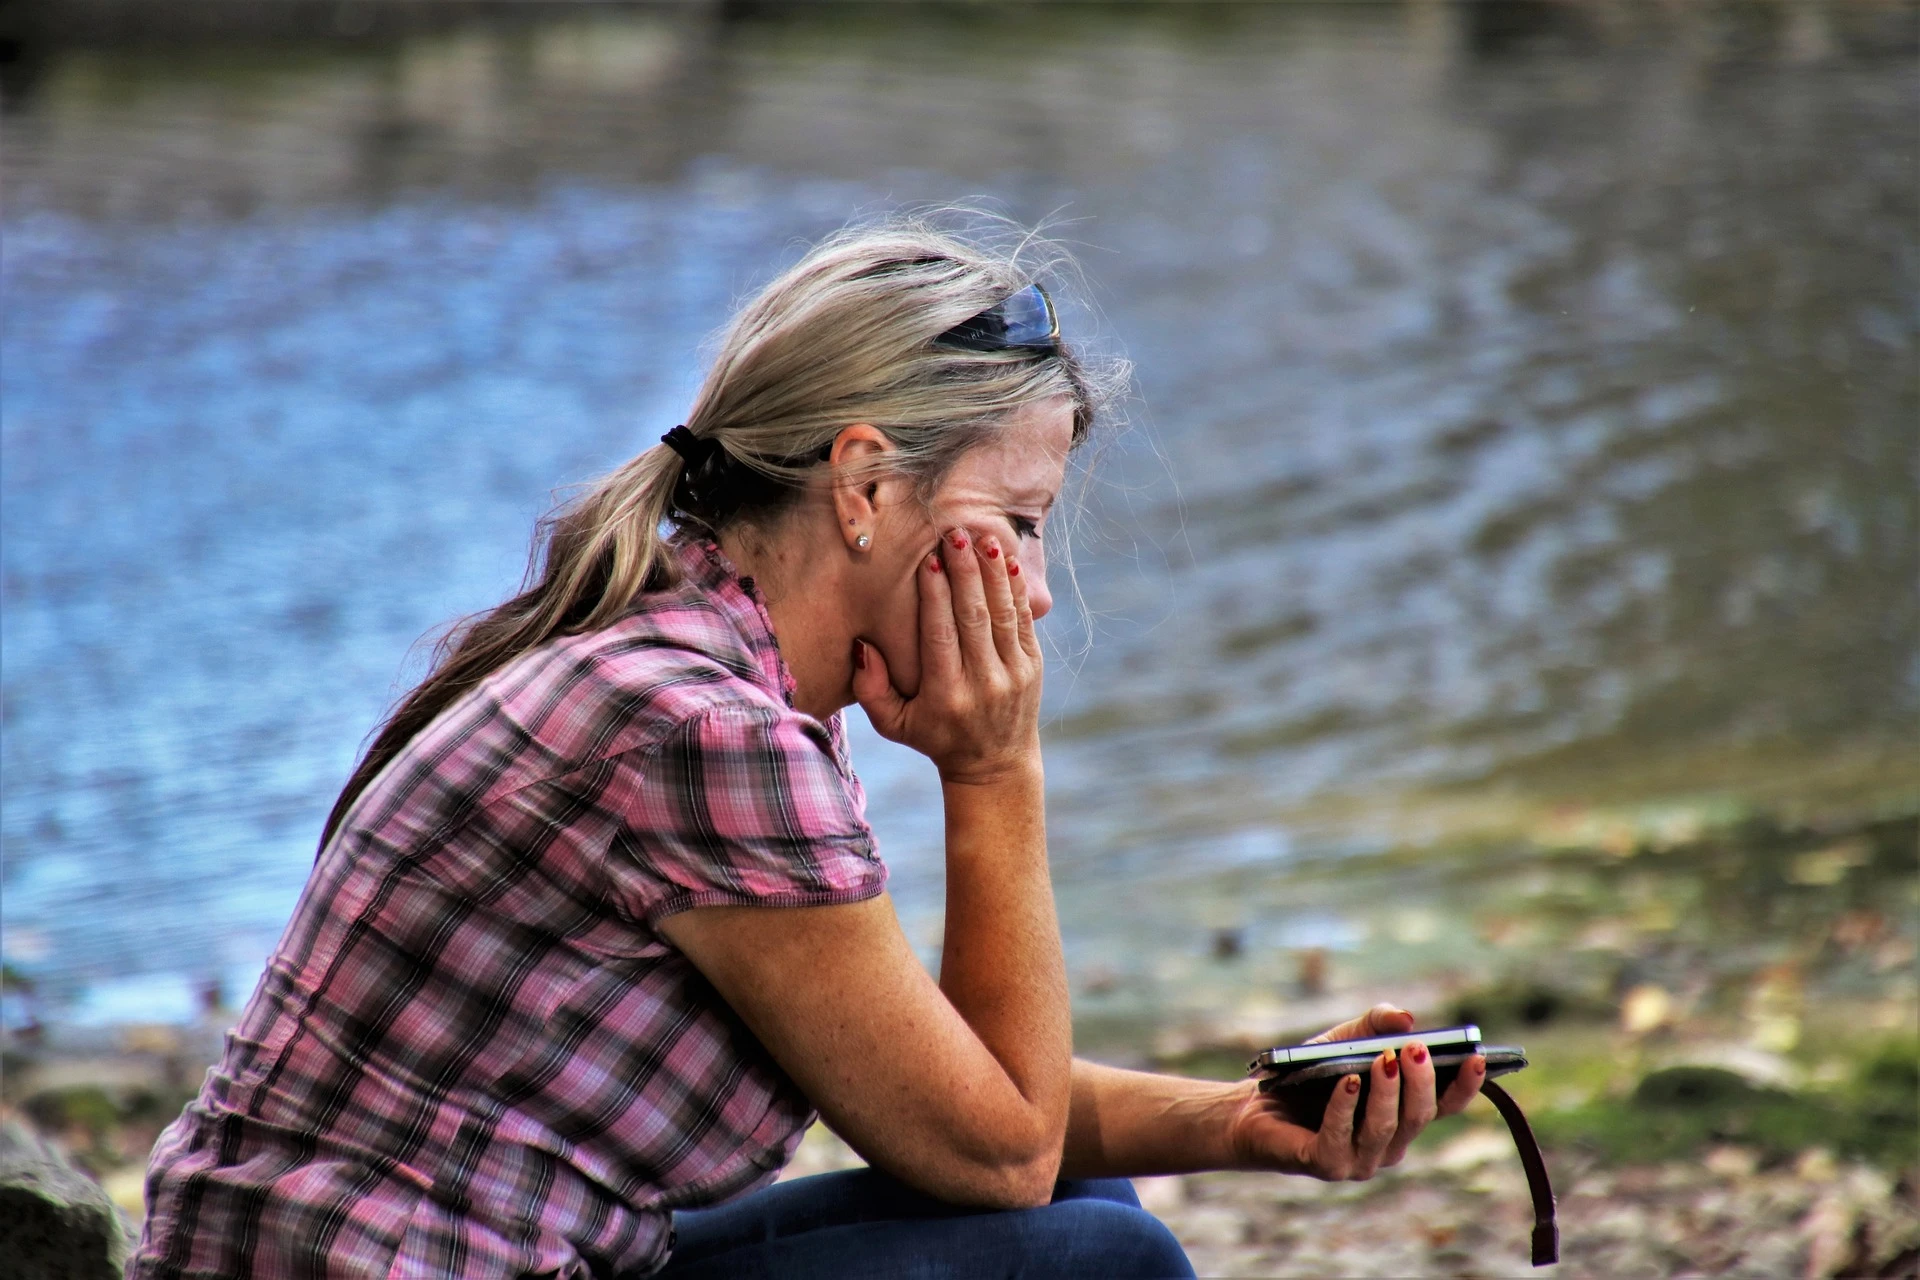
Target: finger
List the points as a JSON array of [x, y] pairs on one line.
[[1381, 1020], [873, 690], [939, 637], [1466, 1087], [1381, 1119], [1417, 1105], [970, 615], [1388, 1020], [1005, 617], [1333, 1148], [1017, 579]]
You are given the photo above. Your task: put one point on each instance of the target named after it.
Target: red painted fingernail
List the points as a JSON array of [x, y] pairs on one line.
[[1013, 568], [860, 654], [933, 564], [1392, 1067], [959, 540], [993, 549], [1419, 1052], [1353, 1084]]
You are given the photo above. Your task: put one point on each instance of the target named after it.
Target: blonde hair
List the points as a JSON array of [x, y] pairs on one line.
[[844, 335]]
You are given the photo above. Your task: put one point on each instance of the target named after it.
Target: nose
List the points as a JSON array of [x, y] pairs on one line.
[[1039, 599]]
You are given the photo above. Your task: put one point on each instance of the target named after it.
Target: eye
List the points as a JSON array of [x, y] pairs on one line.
[[1024, 527]]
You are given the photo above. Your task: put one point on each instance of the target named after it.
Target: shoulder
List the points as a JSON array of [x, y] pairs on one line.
[[631, 685]]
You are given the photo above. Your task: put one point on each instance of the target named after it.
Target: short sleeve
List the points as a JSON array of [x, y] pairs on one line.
[[743, 806]]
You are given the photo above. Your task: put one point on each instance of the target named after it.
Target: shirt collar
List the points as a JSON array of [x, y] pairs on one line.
[[737, 599]]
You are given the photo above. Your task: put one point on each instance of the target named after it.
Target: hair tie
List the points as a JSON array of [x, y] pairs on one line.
[[705, 477], [690, 447]]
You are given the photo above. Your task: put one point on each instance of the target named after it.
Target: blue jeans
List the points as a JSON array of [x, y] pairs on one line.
[[864, 1223]]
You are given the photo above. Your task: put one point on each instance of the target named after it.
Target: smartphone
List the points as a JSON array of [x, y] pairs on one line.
[[1445, 1039], [1301, 1078]]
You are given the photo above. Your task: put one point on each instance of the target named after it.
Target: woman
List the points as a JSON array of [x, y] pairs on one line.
[[598, 925]]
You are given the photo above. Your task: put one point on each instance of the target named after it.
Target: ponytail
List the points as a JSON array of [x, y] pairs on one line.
[[845, 335], [590, 559]]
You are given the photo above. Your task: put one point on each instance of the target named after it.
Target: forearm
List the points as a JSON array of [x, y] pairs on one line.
[[1001, 966], [1134, 1124]]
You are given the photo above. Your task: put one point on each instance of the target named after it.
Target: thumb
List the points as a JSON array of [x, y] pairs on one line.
[[874, 690], [1387, 1019], [1381, 1020]]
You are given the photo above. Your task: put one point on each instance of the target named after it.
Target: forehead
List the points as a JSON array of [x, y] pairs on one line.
[[1025, 463]]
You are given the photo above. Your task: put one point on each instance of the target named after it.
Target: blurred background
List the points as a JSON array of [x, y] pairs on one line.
[[1502, 600]]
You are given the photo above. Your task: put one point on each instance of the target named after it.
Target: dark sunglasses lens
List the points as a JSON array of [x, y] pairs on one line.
[[1029, 318]]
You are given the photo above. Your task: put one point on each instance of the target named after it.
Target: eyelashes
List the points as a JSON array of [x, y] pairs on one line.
[[1024, 527]]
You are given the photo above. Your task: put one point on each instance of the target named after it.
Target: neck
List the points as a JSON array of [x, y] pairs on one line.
[[803, 603]]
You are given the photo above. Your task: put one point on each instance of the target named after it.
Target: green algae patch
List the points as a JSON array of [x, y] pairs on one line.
[[1677, 1112]]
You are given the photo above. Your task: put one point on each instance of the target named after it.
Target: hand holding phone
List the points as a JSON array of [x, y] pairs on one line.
[[1344, 1140], [1301, 1079], [1321, 1084]]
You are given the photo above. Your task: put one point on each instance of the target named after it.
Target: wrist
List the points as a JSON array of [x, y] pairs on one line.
[[1018, 770], [1237, 1102]]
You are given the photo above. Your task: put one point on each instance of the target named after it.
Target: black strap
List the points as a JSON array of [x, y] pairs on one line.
[[1546, 1233]]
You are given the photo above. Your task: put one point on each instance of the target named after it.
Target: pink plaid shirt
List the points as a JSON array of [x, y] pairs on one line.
[[472, 1054]]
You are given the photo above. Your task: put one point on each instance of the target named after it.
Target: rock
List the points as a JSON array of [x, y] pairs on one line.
[[1757, 1067], [1724, 1215], [56, 1223], [1816, 1165], [1692, 1088], [127, 1188], [1829, 1227], [1645, 1008], [1727, 1161]]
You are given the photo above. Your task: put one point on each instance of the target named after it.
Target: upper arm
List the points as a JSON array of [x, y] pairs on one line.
[[842, 1003], [742, 843], [741, 804]]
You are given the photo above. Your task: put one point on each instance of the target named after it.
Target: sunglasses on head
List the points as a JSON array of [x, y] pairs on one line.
[[1023, 322]]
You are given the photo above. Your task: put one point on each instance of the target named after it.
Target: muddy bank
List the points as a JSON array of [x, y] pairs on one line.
[[1722, 1022], [1458, 1206]]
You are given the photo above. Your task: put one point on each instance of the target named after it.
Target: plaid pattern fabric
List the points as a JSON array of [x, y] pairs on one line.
[[471, 1054]]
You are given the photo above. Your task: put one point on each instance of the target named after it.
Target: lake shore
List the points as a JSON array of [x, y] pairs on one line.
[[1457, 1206], [1721, 1024]]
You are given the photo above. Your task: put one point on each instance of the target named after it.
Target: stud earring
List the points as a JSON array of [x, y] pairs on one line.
[[863, 542]]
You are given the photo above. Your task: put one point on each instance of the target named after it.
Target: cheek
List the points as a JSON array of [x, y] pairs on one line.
[[897, 630]]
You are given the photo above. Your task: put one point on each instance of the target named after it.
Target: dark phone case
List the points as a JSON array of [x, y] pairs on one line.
[[1304, 1091]]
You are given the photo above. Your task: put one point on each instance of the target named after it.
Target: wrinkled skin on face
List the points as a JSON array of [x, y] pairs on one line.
[[1003, 489]]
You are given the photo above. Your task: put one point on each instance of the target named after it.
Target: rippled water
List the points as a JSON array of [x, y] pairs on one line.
[[1527, 415]]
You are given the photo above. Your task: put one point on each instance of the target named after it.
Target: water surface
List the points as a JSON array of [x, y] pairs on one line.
[[1525, 420]]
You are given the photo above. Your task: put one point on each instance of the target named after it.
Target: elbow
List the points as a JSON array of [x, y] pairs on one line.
[[1013, 1164], [1032, 1186], [1026, 1186], [1025, 1181]]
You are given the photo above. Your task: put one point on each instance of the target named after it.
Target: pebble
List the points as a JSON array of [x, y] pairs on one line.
[[1661, 1220]]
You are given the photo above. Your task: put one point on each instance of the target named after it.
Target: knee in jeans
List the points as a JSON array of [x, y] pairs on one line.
[[1126, 1241], [1118, 1190]]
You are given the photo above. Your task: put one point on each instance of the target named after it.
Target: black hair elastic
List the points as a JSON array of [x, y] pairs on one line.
[[714, 485], [692, 449]]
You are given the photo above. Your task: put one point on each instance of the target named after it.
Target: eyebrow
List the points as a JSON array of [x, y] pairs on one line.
[[1034, 496]]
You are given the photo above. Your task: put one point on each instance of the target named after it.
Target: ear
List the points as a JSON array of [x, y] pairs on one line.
[[861, 484]]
